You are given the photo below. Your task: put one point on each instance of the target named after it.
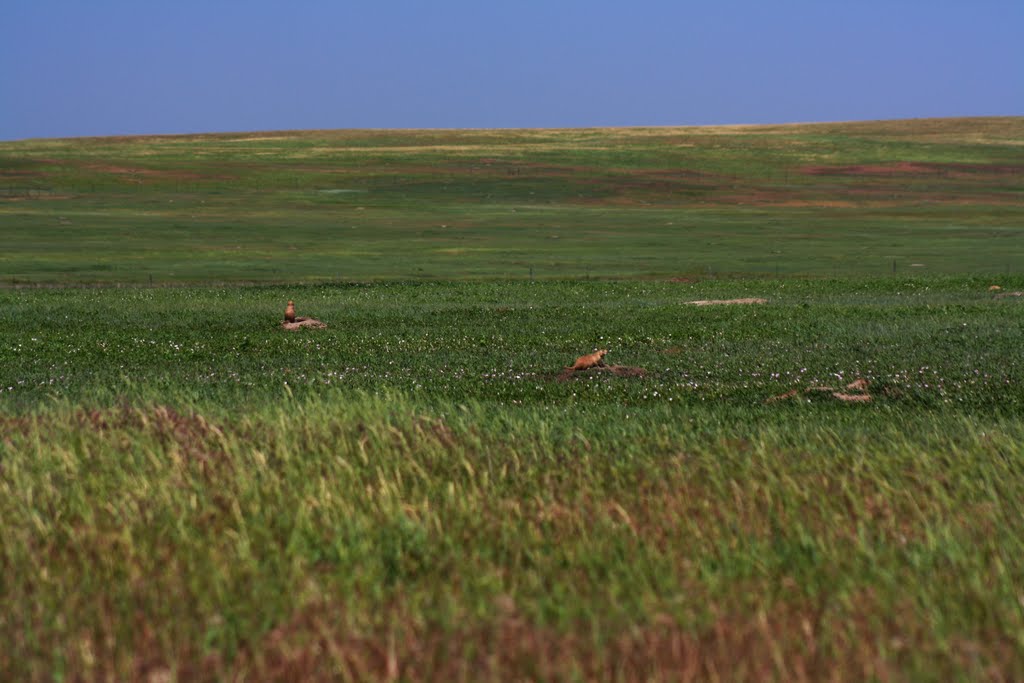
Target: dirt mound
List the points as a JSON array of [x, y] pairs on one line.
[[302, 322], [617, 370], [624, 370], [855, 392], [859, 385], [717, 302]]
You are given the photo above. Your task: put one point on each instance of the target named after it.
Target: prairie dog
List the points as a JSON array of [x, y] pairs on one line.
[[289, 311], [589, 361]]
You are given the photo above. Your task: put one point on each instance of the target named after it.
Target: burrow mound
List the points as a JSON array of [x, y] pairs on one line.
[[303, 323], [617, 370], [854, 392], [727, 302]]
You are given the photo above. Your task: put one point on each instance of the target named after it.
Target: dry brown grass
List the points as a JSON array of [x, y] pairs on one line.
[[789, 642], [188, 436]]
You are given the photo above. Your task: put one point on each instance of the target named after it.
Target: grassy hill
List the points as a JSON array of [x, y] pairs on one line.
[[920, 196]]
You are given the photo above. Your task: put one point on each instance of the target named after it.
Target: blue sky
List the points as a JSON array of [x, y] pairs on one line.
[[106, 67]]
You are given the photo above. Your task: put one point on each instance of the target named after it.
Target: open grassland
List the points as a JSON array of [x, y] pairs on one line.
[[926, 196], [826, 485], [188, 491]]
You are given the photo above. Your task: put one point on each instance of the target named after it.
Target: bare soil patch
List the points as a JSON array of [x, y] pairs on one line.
[[617, 370], [726, 302], [854, 392], [1003, 295], [623, 370], [851, 398]]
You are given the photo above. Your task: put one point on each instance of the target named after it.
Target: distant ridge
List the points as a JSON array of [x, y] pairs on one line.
[[925, 196], [919, 124]]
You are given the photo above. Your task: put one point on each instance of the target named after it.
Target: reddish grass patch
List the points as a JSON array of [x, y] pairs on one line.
[[157, 173], [905, 168], [21, 425], [190, 435], [785, 642]]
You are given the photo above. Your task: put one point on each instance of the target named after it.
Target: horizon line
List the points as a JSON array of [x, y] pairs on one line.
[[279, 131]]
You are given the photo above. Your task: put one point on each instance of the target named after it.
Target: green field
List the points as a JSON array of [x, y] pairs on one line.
[[418, 493], [928, 196]]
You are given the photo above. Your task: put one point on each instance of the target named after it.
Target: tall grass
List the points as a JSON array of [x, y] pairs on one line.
[[377, 537], [189, 492]]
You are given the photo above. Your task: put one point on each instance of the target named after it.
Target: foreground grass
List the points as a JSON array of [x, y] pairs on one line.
[[375, 538], [187, 491]]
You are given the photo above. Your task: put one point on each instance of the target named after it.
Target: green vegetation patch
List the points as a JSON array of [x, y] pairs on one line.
[[855, 199]]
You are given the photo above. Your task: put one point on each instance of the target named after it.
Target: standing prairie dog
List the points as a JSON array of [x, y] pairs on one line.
[[289, 311], [591, 360]]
